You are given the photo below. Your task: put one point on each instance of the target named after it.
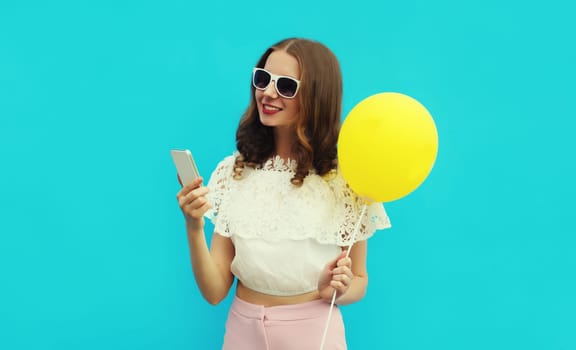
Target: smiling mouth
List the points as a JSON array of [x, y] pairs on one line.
[[270, 108]]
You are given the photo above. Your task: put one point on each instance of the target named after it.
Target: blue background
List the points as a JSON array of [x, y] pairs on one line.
[[94, 94]]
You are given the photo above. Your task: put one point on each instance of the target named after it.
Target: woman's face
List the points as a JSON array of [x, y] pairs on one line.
[[274, 110]]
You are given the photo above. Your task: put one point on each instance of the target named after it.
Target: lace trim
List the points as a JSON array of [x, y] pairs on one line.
[[350, 209], [277, 163], [265, 205]]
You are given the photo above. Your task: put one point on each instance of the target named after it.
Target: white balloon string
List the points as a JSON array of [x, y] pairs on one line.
[[352, 239]]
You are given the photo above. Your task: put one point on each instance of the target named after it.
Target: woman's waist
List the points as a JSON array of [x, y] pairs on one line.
[[258, 298]]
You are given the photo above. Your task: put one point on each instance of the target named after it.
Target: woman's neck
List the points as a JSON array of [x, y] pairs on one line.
[[284, 139]]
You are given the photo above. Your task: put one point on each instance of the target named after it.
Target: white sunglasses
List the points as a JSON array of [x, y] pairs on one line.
[[286, 87]]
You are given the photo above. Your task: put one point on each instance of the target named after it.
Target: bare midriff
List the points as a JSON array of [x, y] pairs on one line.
[[257, 298]]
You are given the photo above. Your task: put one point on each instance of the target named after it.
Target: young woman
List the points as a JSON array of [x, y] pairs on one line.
[[282, 214]]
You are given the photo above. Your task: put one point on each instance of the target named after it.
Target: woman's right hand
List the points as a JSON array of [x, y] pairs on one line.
[[193, 203]]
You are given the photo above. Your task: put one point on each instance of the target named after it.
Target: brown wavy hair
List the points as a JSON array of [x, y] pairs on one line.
[[318, 123]]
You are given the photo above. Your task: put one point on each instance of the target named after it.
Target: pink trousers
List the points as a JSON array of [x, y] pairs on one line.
[[286, 327]]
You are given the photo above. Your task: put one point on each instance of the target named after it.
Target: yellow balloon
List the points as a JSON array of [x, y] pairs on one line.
[[387, 146]]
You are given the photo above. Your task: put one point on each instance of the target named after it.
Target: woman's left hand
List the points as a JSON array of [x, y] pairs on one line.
[[336, 275]]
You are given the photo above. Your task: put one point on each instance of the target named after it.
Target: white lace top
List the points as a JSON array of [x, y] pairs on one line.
[[283, 234]]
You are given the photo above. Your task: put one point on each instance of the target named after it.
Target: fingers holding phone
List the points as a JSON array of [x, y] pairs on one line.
[[192, 197], [192, 200]]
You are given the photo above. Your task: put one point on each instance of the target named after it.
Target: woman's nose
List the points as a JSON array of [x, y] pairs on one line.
[[270, 90]]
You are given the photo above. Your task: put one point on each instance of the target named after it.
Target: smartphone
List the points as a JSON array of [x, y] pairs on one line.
[[185, 166]]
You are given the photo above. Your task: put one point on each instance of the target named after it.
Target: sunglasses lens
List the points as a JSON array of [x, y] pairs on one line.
[[261, 79], [287, 87]]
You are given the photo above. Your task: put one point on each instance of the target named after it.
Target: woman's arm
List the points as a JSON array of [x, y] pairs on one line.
[[211, 266]]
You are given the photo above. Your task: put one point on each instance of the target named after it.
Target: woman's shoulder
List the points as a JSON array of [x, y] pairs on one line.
[[335, 180], [349, 206], [223, 170], [225, 165], [228, 160], [219, 184]]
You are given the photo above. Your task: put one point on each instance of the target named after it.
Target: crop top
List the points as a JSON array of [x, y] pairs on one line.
[[283, 234]]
